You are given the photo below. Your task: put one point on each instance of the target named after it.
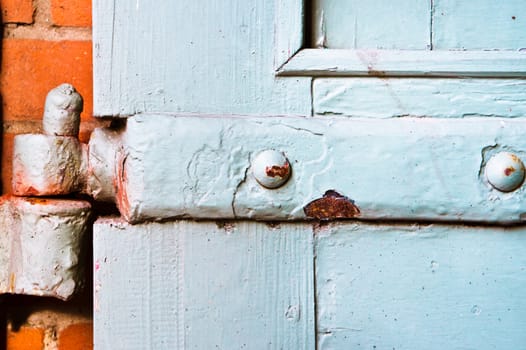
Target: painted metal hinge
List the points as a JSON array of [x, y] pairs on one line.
[[162, 166], [41, 250]]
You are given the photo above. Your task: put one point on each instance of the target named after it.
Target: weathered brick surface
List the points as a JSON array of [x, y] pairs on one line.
[[74, 13], [27, 338], [17, 11], [76, 337], [30, 68]]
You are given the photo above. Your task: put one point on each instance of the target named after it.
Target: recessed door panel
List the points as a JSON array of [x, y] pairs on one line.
[[420, 287]]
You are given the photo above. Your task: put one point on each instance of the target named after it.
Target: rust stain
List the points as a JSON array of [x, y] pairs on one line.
[[33, 200], [121, 181], [278, 170], [515, 158], [12, 280], [509, 170], [331, 206], [376, 73]]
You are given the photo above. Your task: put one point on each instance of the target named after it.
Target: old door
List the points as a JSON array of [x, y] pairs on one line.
[[401, 223]]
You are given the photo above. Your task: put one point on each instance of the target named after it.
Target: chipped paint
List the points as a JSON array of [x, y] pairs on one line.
[[282, 171]]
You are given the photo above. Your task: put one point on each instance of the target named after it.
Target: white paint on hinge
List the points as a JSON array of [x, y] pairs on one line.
[[40, 246], [403, 168], [203, 285]]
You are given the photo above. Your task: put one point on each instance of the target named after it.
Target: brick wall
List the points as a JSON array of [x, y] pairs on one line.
[[45, 43]]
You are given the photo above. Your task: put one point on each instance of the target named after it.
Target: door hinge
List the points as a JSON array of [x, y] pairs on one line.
[[41, 250]]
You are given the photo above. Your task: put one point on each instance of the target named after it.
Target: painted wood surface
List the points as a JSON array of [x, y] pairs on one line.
[[289, 35], [411, 24], [408, 63], [420, 287], [420, 97], [187, 285], [486, 24], [195, 56], [373, 24], [402, 168]]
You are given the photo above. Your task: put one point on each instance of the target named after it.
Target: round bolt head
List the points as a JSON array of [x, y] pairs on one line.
[[271, 169], [505, 171]]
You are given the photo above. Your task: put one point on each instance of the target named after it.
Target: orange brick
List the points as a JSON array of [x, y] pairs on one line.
[[77, 336], [26, 338], [30, 68], [17, 11], [72, 13]]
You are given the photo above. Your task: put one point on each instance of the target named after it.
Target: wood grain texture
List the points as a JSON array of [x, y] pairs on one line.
[[420, 97], [486, 24], [189, 56], [420, 287], [288, 30], [398, 168], [187, 285], [408, 63], [373, 24]]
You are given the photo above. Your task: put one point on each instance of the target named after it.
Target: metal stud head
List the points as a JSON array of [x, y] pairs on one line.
[[271, 169], [505, 172]]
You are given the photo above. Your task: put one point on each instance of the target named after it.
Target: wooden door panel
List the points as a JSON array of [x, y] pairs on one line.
[[420, 287], [207, 285], [485, 24], [378, 24], [191, 56]]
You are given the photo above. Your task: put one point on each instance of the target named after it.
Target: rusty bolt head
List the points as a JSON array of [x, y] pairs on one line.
[[271, 169], [505, 172]]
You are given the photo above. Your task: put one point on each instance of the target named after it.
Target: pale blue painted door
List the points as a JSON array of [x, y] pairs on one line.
[[398, 106]]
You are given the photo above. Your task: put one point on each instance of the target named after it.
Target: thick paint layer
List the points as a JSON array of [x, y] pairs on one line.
[[41, 249], [403, 168]]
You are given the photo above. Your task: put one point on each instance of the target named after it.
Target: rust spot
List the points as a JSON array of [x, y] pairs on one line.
[[376, 73], [331, 206], [509, 170], [33, 200], [278, 170], [12, 280]]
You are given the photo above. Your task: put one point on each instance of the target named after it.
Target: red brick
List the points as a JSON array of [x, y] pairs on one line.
[[76, 337], [30, 68], [27, 338], [72, 13], [17, 11]]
